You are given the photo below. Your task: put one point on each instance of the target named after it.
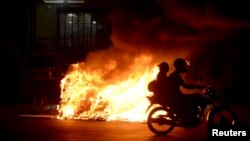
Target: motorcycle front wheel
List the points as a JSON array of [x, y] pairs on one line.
[[161, 121], [222, 117]]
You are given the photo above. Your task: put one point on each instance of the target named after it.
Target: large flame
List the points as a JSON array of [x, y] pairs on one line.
[[88, 93]]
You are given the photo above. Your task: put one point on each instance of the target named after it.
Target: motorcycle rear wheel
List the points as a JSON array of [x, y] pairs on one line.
[[222, 117], [161, 121]]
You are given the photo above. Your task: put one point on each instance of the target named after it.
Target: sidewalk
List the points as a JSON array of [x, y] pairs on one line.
[[28, 110]]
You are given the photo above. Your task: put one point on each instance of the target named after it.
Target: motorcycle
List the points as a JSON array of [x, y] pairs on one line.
[[163, 119]]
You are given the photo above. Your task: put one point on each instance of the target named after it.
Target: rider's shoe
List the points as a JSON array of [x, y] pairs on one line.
[[197, 111]]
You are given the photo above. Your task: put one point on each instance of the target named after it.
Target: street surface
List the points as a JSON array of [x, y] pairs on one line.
[[39, 127], [51, 129]]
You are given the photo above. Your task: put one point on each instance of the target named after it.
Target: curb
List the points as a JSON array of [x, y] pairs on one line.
[[38, 116]]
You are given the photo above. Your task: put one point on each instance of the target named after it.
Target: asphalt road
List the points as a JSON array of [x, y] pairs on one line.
[[46, 129], [14, 127]]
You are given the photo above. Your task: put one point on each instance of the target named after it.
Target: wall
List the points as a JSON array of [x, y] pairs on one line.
[[46, 20]]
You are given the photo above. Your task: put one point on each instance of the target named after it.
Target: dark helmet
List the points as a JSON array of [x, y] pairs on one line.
[[181, 64], [163, 66]]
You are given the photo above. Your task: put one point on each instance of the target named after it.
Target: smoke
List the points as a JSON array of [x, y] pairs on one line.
[[177, 28], [202, 31]]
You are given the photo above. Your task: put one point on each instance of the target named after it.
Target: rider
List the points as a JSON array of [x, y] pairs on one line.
[[183, 102], [161, 79], [162, 74], [161, 82]]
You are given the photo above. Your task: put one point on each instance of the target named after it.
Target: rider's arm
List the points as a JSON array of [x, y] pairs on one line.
[[190, 86]]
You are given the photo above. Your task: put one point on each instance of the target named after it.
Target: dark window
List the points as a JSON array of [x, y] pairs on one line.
[[79, 29]]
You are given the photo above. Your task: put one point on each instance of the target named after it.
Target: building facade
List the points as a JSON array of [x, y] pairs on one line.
[[42, 38]]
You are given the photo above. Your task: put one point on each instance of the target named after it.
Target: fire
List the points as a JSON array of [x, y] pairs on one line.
[[93, 93]]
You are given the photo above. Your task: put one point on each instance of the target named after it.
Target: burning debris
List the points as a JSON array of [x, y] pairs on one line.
[[112, 84], [104, 91]]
